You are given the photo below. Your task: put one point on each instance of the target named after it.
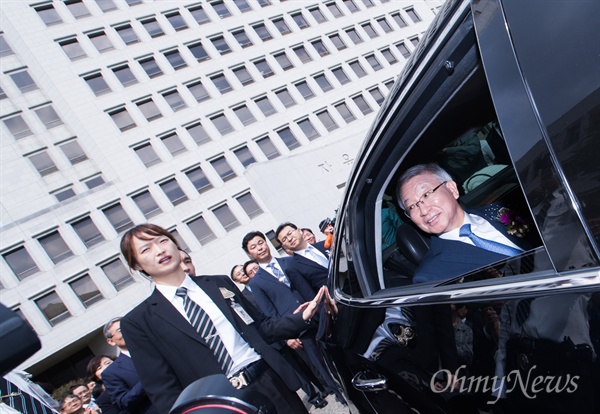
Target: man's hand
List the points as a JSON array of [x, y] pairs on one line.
[[309, 309], [330, 306], [294, 343]]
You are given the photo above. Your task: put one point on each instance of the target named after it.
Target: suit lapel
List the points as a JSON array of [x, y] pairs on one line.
[[210, 287]]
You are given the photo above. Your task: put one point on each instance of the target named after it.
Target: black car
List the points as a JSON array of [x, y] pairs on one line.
[[505, 95]]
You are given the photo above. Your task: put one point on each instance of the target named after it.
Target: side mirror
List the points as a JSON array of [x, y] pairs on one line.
[[18, 340]]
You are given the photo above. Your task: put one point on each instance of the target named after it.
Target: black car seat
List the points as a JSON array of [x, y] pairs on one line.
[[412, 243]]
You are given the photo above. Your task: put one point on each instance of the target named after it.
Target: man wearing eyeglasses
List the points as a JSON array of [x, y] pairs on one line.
[[462, 241]]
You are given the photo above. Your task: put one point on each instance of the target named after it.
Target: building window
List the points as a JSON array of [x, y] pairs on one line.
[[340, 75], [222, 124], [369, 3], [20, 262], [223, 168], [199, 14], [320, 47], [48, 116], [399, 20], [5, 49], [308, 128], [377, 95], [173, 192], [198, 179], [63, 194], [55, 247], [262, 32], [48, 15], [127, 34], [43, 163], [174, 100], [125, 75], [77, 8], [149, 109], [175, 59], [413, 15], [242, 38], [97, 84], [282, 26], [351, 6], [198, 51], [337, 41], [201, 230], [265, 106], [2, 94], [146, 204], [317, 14], [305, 90], [198, 91], [354, 36], [221, 45], [403, 50], [53, 308], [23, 81], [300, 20], [242, 5], [362, 104], [267, 147], [73, 152], [177, 21], [147, 155], [87, 232], [86, 290], [283, 61], [414, 41], [101, 41], [302, 54], [286, 98], [180, 241], [389, 56], [198, 133], [94, 181], [288, 138], [249, 205], [372, 60], [334, 9], [173, 143], [17, 127], [327, 120], [385, 25], [106, 5], [117, 216], [226, 217], [244, 155], [117, 274], [357, 68], [122, 119], [243, 75], [264, 68], [221, 83], [221, 9], [370, 30], [72, 49], [244, 115], [150, 67], [323, 82], [152, 27]]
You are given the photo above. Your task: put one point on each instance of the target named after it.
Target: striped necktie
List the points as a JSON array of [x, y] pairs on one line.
[[490, 245], [204, 326], [279, 274]]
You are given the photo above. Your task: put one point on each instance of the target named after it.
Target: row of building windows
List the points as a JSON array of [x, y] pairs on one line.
[[76, 8]]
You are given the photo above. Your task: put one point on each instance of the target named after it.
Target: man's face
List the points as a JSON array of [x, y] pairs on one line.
[[71, 405], [440, 211], [104, 363], [259, 250], [328, 229], [116, 338], [251, 269], [239, 275], [83, 394], [186, 263], [156, 255], [309, 237], [291, 239]]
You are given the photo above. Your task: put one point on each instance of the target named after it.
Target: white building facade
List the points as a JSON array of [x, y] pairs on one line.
[[209, 118]]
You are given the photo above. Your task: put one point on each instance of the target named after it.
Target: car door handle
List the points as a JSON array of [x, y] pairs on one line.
[[369, 382]]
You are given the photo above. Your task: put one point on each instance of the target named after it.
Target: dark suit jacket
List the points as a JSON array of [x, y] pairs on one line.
[[122, 383], [448, 258], [169, 354], [274, 298], [315, 274]]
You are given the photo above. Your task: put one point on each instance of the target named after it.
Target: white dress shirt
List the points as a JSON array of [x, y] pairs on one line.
[[312, 253], [480, 227], [241, 353]]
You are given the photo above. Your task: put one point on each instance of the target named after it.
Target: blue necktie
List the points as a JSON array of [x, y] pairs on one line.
[[279, 274], [492, 246], [200, 320]]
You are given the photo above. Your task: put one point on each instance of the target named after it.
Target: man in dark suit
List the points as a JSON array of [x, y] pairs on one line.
[[193, 327], [120, 379], [278, 294], [462, 241]]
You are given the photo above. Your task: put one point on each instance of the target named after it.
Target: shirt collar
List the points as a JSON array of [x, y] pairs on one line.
[[169, 291]]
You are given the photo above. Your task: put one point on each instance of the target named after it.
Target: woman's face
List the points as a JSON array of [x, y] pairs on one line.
[[104, 363]]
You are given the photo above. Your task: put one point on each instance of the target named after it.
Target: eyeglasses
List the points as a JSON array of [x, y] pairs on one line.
[[288, 236], [413, 207]]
